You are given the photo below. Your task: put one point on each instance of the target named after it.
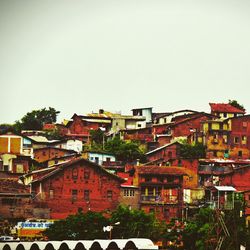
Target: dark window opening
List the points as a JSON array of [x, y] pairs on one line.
[[86, 195]]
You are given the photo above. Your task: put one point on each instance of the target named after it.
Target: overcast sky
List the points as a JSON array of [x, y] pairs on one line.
[[79, 56]]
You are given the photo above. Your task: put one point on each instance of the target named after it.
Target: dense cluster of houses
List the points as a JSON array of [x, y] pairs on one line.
[[42, 178]]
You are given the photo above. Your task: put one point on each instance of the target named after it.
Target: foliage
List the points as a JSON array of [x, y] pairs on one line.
[[53, 134], [124, 151], [200, 230], [193, 151], [236, 104], [78, 227], [97, 136], [35, 119], [6, 127], [134, 223]]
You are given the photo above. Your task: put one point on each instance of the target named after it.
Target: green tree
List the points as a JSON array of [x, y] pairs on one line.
[[236, 104], [80, 226], [35, 119], [134, 223], [192, 151], [125, 151], [97, 136]]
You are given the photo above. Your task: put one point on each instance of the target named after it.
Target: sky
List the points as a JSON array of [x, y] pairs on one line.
[[81, 56]]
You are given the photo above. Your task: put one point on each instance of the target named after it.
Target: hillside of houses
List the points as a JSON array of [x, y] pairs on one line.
[[169, 163]]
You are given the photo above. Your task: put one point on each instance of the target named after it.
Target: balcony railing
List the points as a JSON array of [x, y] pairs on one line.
[[228, 205], [158, 199]]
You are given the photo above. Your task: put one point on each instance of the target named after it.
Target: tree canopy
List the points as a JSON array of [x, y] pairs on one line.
[[127, 151], [236, 104], [193, 151], [80, 226], [89, 225], [36, 119]]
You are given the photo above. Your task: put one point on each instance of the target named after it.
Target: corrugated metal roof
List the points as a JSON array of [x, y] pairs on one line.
[[225, 188], [164, 146]]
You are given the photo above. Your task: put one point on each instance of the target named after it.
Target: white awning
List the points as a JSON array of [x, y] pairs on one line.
[[225, 188]]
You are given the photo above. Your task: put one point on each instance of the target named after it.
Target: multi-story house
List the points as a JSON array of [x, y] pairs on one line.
[[239, 137], [15, 153], [161, 190], [227, 138], [76, 184], [225, 110], [80, 126]]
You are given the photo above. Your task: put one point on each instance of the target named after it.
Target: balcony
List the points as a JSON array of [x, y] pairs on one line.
[[158, 199], [228, 205]]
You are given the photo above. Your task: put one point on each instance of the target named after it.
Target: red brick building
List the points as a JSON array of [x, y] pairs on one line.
[[180, 126], [80, 126], [15, 200], [77, 184], [225, 110], [161, 190], [239, 137], [165, 153]]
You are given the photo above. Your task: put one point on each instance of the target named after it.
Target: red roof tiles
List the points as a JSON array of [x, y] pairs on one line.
[[225, 108]]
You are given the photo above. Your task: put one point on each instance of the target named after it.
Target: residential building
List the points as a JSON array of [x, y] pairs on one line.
[[161, 190], [77, 184], [15, 200], [225, 110]]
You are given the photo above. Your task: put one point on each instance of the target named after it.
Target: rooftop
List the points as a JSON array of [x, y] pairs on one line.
[[225, 108]]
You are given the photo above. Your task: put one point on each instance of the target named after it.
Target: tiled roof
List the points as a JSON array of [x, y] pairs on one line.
[[225, 108], [163, 170], [75, 161]]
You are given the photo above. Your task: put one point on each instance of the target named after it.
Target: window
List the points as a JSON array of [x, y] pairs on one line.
[[170, 179], [215, 153], [236, 139], [129, 192], [86, 174], [74, 173], [225, 115], [148, 179], [74, 194], [151, 210], [108, 159], [97, 160], [170, 154], [86, 195], [51, 194], [166, 213], [139, 125], [161, 179], [109, 194], [240, 153], [244, 139]]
